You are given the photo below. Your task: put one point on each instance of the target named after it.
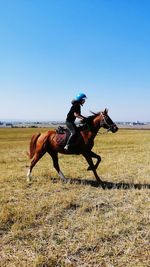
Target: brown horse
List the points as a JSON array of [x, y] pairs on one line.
[[47, 142]]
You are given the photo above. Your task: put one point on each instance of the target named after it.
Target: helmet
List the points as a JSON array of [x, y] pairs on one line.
[[80, 96]]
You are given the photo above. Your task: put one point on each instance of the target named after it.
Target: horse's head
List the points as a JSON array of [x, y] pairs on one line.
[[102, 119]]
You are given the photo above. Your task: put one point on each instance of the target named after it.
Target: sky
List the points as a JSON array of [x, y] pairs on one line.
[[51, 50]]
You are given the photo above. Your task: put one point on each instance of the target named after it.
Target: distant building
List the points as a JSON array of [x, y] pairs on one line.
[[8, 124]]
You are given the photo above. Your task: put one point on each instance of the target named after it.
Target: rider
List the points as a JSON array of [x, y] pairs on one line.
[[74, 112]]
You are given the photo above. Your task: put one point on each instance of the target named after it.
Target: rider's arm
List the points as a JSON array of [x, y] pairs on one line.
[[79, 116]]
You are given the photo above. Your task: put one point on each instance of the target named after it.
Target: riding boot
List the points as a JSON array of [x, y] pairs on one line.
[[69, 142]]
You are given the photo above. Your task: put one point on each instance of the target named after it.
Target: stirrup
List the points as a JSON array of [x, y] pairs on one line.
[[66, 147]]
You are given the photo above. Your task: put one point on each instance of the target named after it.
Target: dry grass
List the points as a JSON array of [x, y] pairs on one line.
[[51, 224]]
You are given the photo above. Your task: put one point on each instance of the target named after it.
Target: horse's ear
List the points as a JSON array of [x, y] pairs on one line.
[[106, 111]]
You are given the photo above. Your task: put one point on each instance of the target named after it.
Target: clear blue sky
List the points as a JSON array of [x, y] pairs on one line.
[[51, 50]]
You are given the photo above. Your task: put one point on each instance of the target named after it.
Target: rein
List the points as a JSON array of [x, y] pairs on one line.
[[103, 132]]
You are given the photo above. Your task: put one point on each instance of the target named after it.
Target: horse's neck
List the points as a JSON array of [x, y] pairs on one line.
[[95, 132]]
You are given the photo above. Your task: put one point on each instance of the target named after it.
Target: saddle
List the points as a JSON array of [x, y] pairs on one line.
[[62, 134]]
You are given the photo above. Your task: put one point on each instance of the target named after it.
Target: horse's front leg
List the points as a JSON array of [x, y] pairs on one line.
[[94, 155], [88, 158]]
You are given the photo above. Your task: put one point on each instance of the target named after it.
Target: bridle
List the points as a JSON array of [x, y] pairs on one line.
[[104, 121]]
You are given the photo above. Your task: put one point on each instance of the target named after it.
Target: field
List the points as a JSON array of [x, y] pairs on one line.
[[77, 224]]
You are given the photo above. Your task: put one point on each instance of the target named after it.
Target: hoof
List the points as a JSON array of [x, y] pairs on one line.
[[102, 184], [64, 181], [29, 180]]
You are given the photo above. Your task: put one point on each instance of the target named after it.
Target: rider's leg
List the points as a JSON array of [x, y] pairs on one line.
[[72, 128]]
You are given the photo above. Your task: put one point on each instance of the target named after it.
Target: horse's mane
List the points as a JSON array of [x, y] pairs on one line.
[[94, 115], [90, 118]]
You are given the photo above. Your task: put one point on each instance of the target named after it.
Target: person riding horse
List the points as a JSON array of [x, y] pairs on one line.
[[42, 143], [74, 112]]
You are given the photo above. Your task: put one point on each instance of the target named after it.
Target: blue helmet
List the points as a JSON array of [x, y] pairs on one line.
[[80, 96]]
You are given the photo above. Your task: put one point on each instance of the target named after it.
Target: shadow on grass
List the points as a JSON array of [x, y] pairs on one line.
[[106, 185]]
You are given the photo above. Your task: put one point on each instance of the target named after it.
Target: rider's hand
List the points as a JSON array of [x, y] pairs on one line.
[[85, 120]]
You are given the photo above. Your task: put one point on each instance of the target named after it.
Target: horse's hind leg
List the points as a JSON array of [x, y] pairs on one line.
[[54, 156], [38, 155]]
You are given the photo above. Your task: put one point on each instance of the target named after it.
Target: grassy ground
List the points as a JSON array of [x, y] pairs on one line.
[[49, 224]]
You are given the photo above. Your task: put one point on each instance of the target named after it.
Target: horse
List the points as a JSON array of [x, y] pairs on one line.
[[47, 142]]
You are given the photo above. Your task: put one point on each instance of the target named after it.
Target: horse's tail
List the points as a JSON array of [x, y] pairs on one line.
[[33, 145]]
